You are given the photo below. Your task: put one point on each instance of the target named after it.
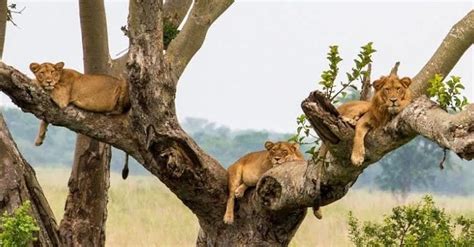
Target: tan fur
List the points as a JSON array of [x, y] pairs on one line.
[[391, 96], [247, 170], [96, 93]]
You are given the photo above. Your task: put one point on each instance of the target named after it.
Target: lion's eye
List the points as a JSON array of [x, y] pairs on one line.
[[398, 89]]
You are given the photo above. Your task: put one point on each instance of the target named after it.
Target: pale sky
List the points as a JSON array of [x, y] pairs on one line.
[[260, 59]]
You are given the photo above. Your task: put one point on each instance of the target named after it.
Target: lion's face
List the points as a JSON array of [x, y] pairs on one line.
[[391, 91], [47, 74], [281, 152]]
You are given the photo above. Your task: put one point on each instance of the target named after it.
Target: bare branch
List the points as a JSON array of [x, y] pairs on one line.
[[189, 41], [452, 131], [458, 40], [366, 85], [3, 24], [94, 35], [175, 11]]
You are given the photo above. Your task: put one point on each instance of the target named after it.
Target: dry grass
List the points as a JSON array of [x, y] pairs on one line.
[[143, 212]]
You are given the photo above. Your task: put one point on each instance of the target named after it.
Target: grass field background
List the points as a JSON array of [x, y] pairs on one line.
[[143, 212]]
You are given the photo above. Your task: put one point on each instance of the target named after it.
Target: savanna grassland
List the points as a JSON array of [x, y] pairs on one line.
[[143, 212]]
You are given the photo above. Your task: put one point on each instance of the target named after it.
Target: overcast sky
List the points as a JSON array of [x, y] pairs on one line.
[[260, 59]]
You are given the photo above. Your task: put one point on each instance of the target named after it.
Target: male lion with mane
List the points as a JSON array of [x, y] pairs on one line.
[[391, 96]]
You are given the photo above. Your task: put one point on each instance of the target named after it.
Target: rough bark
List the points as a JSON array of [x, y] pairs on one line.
[[3, 24], [267, 215], [85, 213], [18, 184], [454, 45], [191, 37]]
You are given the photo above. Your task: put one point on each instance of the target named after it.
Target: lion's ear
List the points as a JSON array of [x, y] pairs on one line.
[[406, 81], [269, 145], [34, 67], [59, 66], [379, 83], [295, 146]]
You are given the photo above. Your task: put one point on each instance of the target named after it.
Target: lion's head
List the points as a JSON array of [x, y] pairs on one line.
[[392, 93], [281, 152], [47, 74]]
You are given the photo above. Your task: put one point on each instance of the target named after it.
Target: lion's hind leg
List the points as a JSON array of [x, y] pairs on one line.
[[41, 133]]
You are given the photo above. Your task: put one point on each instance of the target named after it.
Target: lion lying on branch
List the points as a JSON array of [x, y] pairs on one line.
[[391, 96]]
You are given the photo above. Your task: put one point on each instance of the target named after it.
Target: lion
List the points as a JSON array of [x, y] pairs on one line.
[[96, 93], [391, 96], [246, 171]]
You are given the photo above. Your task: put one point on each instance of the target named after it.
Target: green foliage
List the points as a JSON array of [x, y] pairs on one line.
[[304, 133], [305, 136], [420, 224], [448, 93], [329, 76], [19, 228], [170, 32]]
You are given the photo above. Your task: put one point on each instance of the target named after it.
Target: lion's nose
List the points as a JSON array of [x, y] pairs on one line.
[[393, 100]]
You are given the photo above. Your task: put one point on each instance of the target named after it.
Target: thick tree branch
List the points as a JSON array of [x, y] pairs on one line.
[[3, 24], [171, 155], [95, 44], [294, 186], [454, 45], [182, 49], [175, 11], [113, 129]]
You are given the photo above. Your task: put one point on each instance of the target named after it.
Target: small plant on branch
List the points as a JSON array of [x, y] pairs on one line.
[[335, 92], [447, 93]]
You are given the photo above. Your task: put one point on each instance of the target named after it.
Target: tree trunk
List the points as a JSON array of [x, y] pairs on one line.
[[3, 24], [85, 213], [18, 184]]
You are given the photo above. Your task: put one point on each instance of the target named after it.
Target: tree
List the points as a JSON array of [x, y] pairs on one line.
[[270, 214], [413, 165]]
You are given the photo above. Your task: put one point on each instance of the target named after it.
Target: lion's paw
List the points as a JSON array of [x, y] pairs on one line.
[[239, 192], [350, 121], [229, 219], [357, 158]]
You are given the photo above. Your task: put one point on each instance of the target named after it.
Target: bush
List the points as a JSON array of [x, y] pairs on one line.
[[420, 224], [18, 229]]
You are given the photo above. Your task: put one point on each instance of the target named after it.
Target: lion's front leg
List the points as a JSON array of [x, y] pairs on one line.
[[358, 148]]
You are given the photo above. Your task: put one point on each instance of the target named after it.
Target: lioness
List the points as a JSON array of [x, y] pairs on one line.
[[97, 93], [246, 171], [391, 96]]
